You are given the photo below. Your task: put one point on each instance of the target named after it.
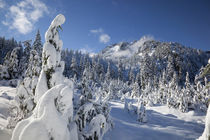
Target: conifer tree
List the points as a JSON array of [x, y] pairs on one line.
[[120, 70], [86, 92], [74, 67], [138, 78], [26, 88], [135, 90], [27, 49], [12, 62], [170, 68], [188, 93], [37, 45], [162, 91], [108, 73], [141, 113], [4, 75], [131, 76], [53, 95], [173, 92]]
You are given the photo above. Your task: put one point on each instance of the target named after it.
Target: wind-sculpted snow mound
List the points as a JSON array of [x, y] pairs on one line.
[[49, 120]]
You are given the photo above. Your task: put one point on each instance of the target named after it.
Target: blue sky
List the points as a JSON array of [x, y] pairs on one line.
[[93, 24]]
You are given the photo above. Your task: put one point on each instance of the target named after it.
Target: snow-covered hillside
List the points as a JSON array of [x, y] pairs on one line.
[[152, 57], [145, 45]]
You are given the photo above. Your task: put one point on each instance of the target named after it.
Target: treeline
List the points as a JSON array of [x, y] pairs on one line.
[[165, 73], [16, 59]]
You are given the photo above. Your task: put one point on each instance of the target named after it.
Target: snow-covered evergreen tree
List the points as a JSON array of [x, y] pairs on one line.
[[183, 101], [120, 70], [172, 95], [26, 52], [12, 62], [37, 45], [26, 88], [170, 68], [147, 69], [131, 76], [141, 113], [146, 95], [108, 73], [53, 115], [138, 78], [6, 46], [4, 73], [34, 66], [189, 94], [93, 120], [92, 109], [52, 66], [7, 59], [135, 90], [74, 67], [162, 90], [85, 85]]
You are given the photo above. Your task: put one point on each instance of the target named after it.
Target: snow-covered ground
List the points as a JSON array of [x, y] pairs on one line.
[[6, 94], [163, 123]]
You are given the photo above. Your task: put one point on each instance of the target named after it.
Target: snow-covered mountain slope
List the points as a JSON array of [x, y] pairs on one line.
[[147, 45], [124, 49], [156, 56], [163, 123]]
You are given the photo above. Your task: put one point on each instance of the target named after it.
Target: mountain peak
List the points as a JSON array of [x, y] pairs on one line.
[[124, 49]]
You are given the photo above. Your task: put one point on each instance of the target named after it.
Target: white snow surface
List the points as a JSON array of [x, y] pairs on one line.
[[6, 95], [206, 133], [162, 123]]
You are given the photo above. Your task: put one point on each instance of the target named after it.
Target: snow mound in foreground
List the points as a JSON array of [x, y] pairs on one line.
[[206, 133], [48, 121], [6, 96]]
